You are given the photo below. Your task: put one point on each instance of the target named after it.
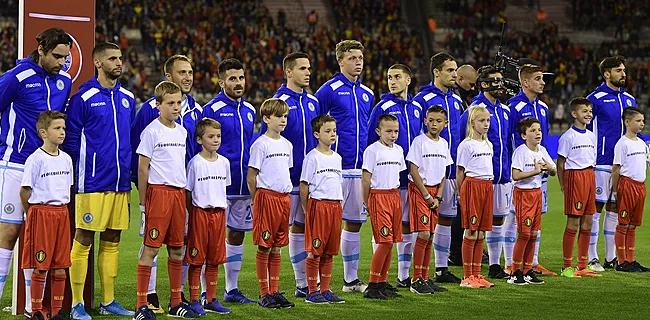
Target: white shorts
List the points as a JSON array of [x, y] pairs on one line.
[[604, 184], [544, 196], [353, 210], [448, 207], [239, 214], [406, 217], [502, 199], [296, 215], [11, 176]]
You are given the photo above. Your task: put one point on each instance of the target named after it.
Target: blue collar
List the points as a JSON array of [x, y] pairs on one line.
[[579, 130]]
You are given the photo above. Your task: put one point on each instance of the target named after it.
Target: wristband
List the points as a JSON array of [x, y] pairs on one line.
[[427, 197], [440, 199], [141, 208]]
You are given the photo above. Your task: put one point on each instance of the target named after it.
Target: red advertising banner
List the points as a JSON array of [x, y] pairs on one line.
[[77, 18]]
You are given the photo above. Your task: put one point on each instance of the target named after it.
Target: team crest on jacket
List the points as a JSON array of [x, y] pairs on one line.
[[528, 222], [365, 97], [40, 256], [578, 205], [543, 112], [59, 84], [316, 243], [311, 107], [125, 103], [629, 103], [266, 235], [456, 105], [473, 220], [424, 220], [250, 117], [505, 116], [385, 231], [154, 233], [416, 113]]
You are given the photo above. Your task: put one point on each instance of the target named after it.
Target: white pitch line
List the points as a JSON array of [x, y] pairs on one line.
[[58, 17]]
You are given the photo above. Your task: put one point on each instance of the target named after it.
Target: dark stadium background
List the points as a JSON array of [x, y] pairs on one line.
[[568, 38]]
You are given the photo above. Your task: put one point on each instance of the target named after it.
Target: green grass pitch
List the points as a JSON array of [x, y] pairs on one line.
[[614, 295]]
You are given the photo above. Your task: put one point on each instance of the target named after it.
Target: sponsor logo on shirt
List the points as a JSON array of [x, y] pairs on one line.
[[638, 153], [33, 85], [98, 104], [344, 93], [55, 173], [211, 178], [582, 146]]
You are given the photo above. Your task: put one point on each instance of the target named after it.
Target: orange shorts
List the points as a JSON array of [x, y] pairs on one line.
[[528, 209], [579, 192], [422, 218], [476, 204], [630, 196], [206, 237], [323, 226], [271, 218], [385, 209], [164, 218], [47, 238]]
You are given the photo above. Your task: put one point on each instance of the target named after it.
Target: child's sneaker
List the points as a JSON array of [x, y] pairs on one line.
[[569, 272], [539, 269], [610, 264], [586, 273], [470, 282], [435, 286], [267, 301], [38, 316], [331, 297], [483, 282], [531, 277], [373, 292], [216, 307], [316, 298], [594, 265], [235, 295], [406, 283], [517, 278], [421, 287], [182, 310], [282, 301], [354, 286], [197, 308], [78, 312], [114, 308], [302, 292], [143, 313]]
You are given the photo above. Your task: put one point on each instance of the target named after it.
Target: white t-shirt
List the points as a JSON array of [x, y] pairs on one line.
[[431, 157], [476, 157], [385, 164], [579, 149], [524, 159], [50, 177], [631, 155], [165, 147], [324, 175], [207, 180], [272, 158]]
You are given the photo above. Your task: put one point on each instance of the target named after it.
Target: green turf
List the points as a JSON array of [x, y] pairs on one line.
[[613, 295]]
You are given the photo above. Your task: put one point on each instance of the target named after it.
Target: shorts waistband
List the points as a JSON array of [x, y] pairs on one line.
[[477, 180], [272, 192], [49, 206], [11, 165], [632, 181], [164, 187], [426, 186], [533, 190], [583, 169], [326, 200], [385, 191], [212, 210]]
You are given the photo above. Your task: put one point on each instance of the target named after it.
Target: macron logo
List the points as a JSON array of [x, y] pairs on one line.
[[33, 85], [609, 100], [344, 93], [98, 104]]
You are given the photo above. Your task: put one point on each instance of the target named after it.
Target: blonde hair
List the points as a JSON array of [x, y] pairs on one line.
[[345, 46], [472, 114], [165, 87], [273, 107]]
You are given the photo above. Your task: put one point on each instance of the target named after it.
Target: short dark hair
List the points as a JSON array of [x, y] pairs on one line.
[[50, 38], [438, 59], [229, 64], [526, 123], [386, 117], [437, 109], [403, 68], [103, 47], [169, 64], [610, 62], [46, 117], [631, 112], [527, 70], [204, 124], [320, 120], [486, 71], [579, 101], [289, 62]]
